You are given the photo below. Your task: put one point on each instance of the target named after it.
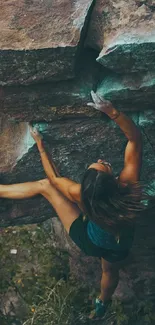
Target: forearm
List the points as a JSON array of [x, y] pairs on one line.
[[48, 165], [128, 127]]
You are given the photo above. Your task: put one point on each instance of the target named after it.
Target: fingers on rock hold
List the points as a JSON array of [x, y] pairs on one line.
[[95, 98], [91, 104]]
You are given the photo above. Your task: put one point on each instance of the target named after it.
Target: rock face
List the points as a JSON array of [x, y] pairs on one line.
[[41, 40], [124, 33], [53, 100], [137, 51], [15, 142], [113, 18], [43, 43], [125, 91], [33, 52]]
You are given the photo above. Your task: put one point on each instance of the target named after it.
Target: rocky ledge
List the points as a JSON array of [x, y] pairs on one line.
[[41, 40]]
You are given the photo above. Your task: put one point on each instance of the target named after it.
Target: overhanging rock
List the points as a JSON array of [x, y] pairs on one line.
[[40, 40], [124, 32], [15, 141], [129, 53], [53, 100], [131, 92], [68, 99]]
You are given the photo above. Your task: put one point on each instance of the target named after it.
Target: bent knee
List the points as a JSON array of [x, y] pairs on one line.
[[44, 185]]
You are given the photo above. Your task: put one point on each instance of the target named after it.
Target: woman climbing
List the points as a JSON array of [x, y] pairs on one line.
[[99, 213]]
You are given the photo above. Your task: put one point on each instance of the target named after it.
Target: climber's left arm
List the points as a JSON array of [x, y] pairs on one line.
[[49, 166], [66, 186]]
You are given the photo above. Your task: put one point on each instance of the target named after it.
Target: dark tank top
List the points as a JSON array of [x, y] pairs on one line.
[[107, 240]]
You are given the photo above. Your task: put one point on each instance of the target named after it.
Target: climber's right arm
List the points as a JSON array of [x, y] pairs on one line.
[[133, 151]]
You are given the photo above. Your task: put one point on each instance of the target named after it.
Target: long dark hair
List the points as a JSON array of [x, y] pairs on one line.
[[109, 204]]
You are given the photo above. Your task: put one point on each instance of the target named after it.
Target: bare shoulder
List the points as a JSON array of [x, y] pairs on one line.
[[120, 180]]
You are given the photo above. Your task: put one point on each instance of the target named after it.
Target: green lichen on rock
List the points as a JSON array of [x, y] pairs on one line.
[[130, 92], [129, 53]]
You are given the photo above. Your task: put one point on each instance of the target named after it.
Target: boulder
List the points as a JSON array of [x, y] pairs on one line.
[[68, 99], [15, 142], [129, 92], [124, 33], [41, 40], [129, 53], [53, 100]]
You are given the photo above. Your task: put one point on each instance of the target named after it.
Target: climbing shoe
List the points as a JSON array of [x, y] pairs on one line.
[[99, 310]]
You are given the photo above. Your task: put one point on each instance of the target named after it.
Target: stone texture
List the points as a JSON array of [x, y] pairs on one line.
[[53, 100], [124, 32], [13, 305], [95, 35], [129, 53], [15, 142], [130, 92], [40, 40], [68, 99], [113, 17]]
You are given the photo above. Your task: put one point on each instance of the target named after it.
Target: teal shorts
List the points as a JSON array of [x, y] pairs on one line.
[[79, 235]]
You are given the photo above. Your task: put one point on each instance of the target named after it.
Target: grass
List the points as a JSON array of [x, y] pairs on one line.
[[40, 276]]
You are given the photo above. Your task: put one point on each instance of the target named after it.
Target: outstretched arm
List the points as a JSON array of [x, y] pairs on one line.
[[65, 185], [133, 151], [49, 166]]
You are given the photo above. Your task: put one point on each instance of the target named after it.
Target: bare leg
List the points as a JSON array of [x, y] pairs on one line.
[[109, 280], [21, 190], [66, 210]]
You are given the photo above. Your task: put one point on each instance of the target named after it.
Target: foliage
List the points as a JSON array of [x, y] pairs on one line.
[[140, 313], [62, 305], [36, 266], [40, 275], [120, 314]]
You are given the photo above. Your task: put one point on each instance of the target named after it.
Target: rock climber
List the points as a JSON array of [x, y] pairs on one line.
[[99, 213]]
